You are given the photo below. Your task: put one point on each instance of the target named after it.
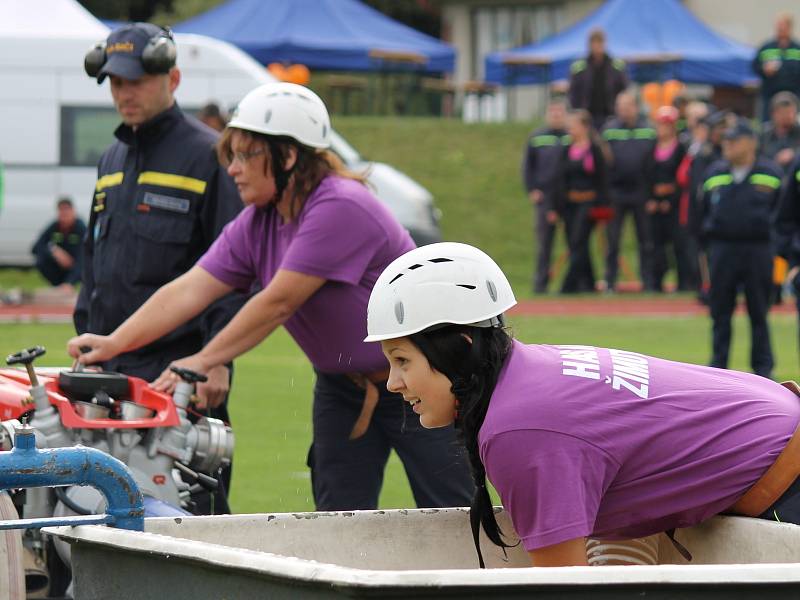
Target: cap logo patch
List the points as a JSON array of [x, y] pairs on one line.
[[120, 47]]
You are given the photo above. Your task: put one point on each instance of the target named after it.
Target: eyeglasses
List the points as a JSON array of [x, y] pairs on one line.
[[243, 157]]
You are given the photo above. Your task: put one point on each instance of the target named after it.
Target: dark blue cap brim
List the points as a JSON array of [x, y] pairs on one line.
[[127, 66]]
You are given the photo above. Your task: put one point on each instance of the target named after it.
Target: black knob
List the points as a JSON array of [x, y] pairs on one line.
[[25, 357], [189, 376]]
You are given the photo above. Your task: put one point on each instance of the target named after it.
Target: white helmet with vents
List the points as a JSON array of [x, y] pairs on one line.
[[446, 283], [285, 109]]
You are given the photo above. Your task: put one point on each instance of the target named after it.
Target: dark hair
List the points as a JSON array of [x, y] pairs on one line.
[[585, 118], [471, 358], [310, 168], [64, 201]]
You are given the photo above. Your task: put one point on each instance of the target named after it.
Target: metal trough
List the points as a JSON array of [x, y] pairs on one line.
[[416, 554]]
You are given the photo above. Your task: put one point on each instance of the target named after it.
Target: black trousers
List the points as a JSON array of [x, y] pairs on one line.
[[643, 239], [747, 265], [52, 271], [545, 234], [348, 474], [580, 274], [786, 508]]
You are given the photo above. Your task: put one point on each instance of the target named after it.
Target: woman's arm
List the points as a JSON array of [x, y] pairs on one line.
[[259, 317], [571, 553], [171, 306]]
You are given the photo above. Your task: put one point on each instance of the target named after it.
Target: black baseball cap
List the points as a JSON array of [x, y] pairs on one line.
[[741, 129], [124, 48]]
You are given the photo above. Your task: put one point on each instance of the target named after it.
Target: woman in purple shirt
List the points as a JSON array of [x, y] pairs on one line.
[[315, 240], [578, 441]]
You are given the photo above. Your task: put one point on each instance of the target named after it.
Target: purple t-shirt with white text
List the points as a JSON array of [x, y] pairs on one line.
[[583, 441], [342, 234]]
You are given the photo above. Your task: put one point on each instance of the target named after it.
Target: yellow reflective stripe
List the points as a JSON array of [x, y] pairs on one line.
[[109, 180], [765, 180], [717, 181], [797, 175], [179, 182]]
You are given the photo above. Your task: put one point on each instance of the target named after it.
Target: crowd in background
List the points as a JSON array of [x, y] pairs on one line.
[[601, 157], [710, 195]]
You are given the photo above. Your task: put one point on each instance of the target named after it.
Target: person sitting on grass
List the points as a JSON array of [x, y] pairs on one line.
[[578, 440], [58, 248]]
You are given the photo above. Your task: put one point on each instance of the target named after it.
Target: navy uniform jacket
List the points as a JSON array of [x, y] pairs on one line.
[[740, 212], [70, 241], [582, 74], [788, 76], [630, 147], [788, 218], [541, 160], [160, 200]]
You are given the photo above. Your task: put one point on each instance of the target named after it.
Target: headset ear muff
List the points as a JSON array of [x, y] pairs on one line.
[[95, 59], [160, 53]]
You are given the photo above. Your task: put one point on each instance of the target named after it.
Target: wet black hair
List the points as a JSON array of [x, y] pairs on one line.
[[471, 358]]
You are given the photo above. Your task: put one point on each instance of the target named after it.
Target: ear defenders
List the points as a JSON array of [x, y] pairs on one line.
[[158, 56]]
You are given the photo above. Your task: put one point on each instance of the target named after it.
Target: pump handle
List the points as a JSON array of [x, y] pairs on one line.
[[25, 357], [189, 376]]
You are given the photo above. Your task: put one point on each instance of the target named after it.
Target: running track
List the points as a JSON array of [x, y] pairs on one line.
[[545, 306]]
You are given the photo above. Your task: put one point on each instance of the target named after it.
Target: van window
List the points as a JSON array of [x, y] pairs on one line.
[[86, 131]]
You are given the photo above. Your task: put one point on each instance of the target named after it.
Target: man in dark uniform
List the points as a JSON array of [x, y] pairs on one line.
[[740, 195], [788, 227], [58, 249], [540, 167], [780, 140], [161, 198], [631, 139], [595, 81], [777, 62]]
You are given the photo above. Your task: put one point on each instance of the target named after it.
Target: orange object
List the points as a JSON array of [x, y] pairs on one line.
[[656, 95], [298, 74], [780, 269]]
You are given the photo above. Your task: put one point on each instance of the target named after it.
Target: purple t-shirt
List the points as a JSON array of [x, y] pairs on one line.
[[586, 441], [343, 234]]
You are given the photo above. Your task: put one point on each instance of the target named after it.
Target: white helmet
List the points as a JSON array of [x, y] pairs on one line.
[[285, 109], [437, 284]]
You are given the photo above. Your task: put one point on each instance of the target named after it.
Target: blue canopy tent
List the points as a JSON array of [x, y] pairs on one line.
[[659, 39], [343, 35]]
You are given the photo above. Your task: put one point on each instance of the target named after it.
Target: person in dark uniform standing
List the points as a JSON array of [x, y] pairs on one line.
[[777, 63], [788, 227], [740, 195], [540, 165], [582, 187], [58, 248], [630, 138], [595, 81], [705, 151], [161, 198], [664, 194], [780, 140]]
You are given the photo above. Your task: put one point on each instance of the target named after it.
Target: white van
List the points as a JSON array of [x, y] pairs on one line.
[[55, 122]]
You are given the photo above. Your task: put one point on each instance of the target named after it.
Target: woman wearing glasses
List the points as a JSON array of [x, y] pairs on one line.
[[315, 239]]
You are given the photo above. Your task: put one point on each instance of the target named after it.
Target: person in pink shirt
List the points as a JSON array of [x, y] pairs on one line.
[[314, 240], [578, 440]]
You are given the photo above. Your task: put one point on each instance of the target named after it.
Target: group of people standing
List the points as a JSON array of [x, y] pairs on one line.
[[585, 177], [702, 186]]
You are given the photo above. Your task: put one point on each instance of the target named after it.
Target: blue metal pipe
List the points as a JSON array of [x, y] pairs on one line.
[[25, 467]]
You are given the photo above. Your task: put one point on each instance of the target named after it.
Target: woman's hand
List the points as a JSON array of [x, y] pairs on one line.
[[664, 207], [212, 393], [167, 381], [101, 348], [651, 207]]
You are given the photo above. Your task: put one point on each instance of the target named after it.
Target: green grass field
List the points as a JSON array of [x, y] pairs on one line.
[[271, 402]]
